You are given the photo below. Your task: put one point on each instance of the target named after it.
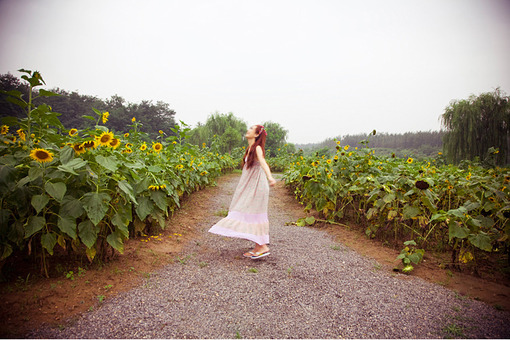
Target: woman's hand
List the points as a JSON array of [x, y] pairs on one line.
[[272, 181]]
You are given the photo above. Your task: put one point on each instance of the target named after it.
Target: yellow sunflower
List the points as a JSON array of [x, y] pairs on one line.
[[203, 173], [409, 160], [157, 147], [106, 138], [133, 119], [89, 144], [126, 135], [180, 166], [105, 116], [4, 129], [22, 135], [161, 132], [127, 150], [346, 147], [73, 132], [143, 147], [41, 155], [115, 143], [79, 148]]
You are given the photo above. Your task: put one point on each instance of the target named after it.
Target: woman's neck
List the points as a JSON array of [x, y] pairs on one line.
[[251, 141]]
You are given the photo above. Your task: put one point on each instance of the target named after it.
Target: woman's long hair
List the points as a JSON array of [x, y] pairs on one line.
[[260, 140]]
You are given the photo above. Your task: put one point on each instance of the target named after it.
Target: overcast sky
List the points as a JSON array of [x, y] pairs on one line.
[[319, 68]]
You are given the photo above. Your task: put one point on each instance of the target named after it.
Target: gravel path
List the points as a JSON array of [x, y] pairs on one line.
[[309, 287]]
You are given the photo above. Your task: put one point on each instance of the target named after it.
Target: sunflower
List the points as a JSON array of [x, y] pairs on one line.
[[409, 160], [106, 138], [180, 166], [4, 129], [153, 187], [41, 155], [105, 116], [422, 185], [143, 147], [22, 135], [337, 142], [346, 147], [89, 144], [133, 119], [79, 148], [161, 132], [328, 161], [127, 150], [157, 147], [115, 143], [73, 132], [203, 173], [126, 135]]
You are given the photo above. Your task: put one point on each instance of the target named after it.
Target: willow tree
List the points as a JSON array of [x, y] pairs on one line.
[[478, 127]]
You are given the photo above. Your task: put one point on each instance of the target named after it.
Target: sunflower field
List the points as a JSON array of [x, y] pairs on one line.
[[463, 209], [87, 191]]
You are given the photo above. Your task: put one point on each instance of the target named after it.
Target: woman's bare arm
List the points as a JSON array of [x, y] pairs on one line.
[[263, 164]]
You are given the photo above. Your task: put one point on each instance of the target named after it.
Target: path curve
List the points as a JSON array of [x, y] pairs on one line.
[[309, 287]]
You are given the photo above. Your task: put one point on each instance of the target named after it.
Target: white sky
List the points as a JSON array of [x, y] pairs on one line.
[[319, 68]]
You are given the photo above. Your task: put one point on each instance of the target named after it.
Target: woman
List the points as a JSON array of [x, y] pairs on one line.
[[247, 215]]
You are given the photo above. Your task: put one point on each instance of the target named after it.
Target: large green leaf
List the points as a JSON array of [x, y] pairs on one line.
[[5, 251], [109, 162], [144, 207], [455, 229], [159, 197], [33, 225], [72, 166], [128, 190], [56, 190], [45, 93], [87, 232], [67, 224], [115, 240], [71, 207], [66, 154], [48, 241], [96, 205], [35, 172], [481, 240], [410, 212], [39, 202], [389, 198]]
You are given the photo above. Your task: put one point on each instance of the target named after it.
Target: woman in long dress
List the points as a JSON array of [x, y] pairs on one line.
[[247, 215]]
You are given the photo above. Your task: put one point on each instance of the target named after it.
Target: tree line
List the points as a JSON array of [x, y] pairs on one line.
[[223, 132], [73, 106]]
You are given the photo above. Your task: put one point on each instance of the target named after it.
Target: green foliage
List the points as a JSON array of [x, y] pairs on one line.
[[74, 108], [89, 190], [478, 128], [410, 255], [222, 132], [465, 210], [419, 145]]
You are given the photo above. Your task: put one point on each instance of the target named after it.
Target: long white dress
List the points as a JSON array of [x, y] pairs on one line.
[[247, 215]]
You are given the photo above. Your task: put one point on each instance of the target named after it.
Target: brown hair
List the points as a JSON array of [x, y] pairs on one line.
[[259, 140]]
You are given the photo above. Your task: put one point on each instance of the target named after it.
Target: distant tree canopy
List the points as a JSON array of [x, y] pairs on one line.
[[73, 106], [476, 127], [225, 132], [417, 144]]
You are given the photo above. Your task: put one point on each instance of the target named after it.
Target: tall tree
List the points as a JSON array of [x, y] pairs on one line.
[[224, 132], [276, 137], [475, 127]]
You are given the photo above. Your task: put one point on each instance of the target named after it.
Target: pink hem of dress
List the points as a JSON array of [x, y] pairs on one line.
[[259, 239]]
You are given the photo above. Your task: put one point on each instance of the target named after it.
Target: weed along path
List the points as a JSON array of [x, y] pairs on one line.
[[309, 287]]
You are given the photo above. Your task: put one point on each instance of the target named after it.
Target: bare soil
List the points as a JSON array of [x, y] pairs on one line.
[[29, 300]]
